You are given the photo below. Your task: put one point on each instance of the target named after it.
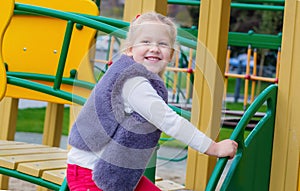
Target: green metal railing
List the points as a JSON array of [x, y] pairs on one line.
[[32, 179], [261, 1], [266, 41], [250, 169]]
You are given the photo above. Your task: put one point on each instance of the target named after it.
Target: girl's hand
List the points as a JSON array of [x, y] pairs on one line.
[[225, 148]]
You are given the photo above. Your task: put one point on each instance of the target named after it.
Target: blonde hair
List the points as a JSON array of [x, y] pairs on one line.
[[150, 17]]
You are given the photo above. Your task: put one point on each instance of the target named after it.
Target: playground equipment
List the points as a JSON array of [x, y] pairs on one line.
[[248, 77], [254, 154], [286, 115]]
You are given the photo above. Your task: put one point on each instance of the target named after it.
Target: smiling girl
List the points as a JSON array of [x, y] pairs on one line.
[[119, 127]]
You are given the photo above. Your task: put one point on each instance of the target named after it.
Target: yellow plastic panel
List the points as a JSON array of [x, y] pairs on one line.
[[32, 44], [6, 9], [79, 6]]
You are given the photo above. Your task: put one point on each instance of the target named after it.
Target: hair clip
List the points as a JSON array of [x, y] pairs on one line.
[[137, 16]]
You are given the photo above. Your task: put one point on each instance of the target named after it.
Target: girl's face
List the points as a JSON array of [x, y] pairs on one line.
[[152, 46]]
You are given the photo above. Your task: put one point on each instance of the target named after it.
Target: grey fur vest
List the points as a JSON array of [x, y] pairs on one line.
[[126, 140]]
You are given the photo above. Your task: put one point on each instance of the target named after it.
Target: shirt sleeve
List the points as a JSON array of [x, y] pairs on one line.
[[140, 96]]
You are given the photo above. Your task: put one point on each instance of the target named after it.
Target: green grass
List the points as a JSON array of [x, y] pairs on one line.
[[239, 107], [232, 83], [226, 132], [32, 120]]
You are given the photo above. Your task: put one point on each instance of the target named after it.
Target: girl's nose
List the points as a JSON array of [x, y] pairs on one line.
[[154, 47]]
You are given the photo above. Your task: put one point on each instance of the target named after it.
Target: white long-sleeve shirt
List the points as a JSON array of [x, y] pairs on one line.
[[141, 97]]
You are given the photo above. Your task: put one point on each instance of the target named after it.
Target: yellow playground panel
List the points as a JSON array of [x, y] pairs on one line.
[[23, 54], [5, 18]]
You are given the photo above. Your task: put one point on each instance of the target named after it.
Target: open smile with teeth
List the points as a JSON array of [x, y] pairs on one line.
[[152, 58]]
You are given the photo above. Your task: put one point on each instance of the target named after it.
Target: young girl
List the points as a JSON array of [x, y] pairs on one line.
[[119, 126]]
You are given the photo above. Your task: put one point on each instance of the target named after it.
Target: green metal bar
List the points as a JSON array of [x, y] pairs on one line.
[[186, 2], [64, 186], [45, 89], [29, 178], [76, 18], [111, 21], [267, 41], [261, 1], [182, 112], [187, 42], [48, 78], [255, 40], [257, 7], [63, 56], [18, 12], [166, 139]]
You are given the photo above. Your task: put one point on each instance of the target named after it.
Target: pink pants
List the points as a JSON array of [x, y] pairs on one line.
[[80, 179]]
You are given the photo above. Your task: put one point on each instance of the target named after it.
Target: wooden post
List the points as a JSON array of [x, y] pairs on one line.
[[285, 161], [8, 121], [52, 128], [8, 118], [208, 85], [53, 124], [73, 113]]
